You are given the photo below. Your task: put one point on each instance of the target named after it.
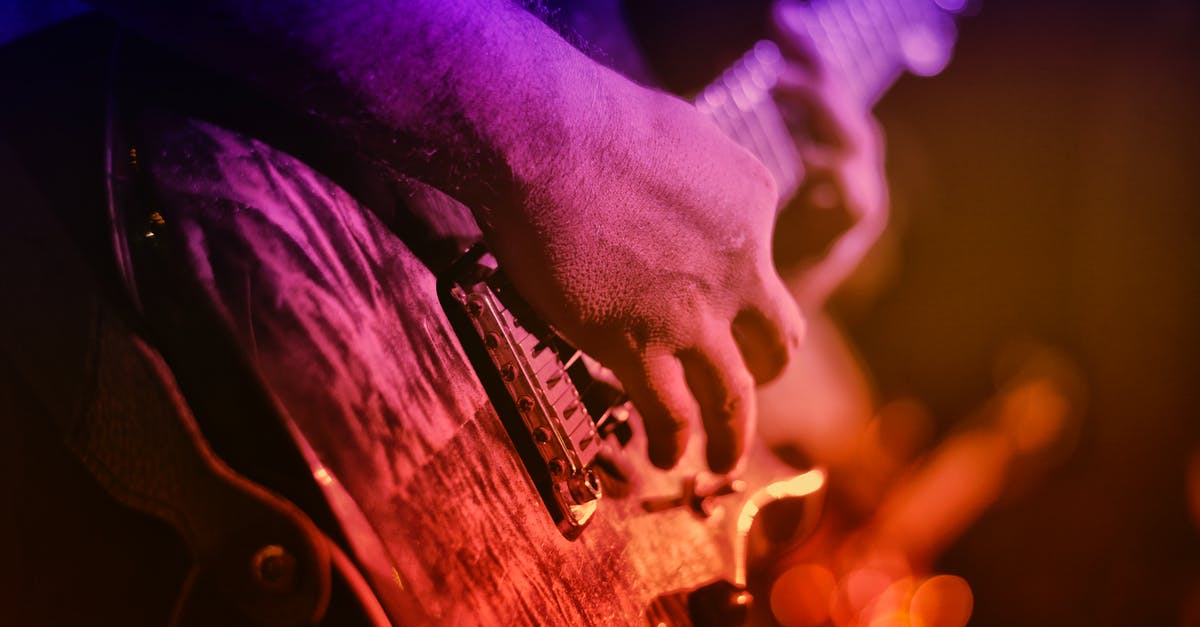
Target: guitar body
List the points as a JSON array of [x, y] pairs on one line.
[[344, 325]]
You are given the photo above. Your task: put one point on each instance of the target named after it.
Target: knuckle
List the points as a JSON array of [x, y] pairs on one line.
[[766, 184], [759, 183]]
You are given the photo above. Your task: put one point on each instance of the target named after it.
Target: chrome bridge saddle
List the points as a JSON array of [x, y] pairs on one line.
[[556, 411]]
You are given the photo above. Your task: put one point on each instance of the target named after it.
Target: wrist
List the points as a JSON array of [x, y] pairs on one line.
[[554, 119]]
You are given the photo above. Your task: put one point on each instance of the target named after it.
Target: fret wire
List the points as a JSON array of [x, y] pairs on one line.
[[720, 112], [889, 35], [907, 10], [868, 51], [753, 120], [771, 63], [784, 164], [897, 19], [862, 40], [826, 42], [886, 21], [916, 10], [767, 115], [790, 166], [886, 8], [747, 136], [754, 78], [855, 74], [723, 114], [714, 98], [725, 121], [880, 51], [778, 165], [732, 83]]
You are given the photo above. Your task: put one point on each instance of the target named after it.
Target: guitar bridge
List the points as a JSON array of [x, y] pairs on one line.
[[555, 412]]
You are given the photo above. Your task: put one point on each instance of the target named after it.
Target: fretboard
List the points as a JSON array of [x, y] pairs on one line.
[[866, 44]]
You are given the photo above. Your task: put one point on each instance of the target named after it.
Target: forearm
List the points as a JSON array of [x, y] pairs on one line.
[[472, 96]]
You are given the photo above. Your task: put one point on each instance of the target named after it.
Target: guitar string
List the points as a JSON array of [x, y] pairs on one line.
[[789, 170], [762, 77], [885, 9], [714, 96], [723, 114], [852, 37], [766, 118], [735, 109], [817, 26], [753, 99], [883, 21], [889, 12], [865, 16], [828, 44], [908, 15], [909, 9]]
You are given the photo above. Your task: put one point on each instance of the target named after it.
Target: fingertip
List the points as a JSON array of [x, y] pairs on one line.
[[726, 443], [797, 331], [726, 447], [666, 432], [666, 438], [764, 354], [792, 323], [660, 394], [724, 388], [768, 334]]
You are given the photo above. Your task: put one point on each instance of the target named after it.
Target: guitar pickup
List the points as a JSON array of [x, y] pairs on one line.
[[534, 379]]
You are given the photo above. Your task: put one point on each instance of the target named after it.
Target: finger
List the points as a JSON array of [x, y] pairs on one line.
[[810, 224], [724, 390], [658, 389], [768, 331], [823, 114], [868, 212], [823, 193]]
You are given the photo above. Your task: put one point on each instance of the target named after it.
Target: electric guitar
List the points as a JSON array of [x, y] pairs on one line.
[[477, 472]]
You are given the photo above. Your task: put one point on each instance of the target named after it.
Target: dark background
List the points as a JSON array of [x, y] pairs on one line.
[[1045, 187]]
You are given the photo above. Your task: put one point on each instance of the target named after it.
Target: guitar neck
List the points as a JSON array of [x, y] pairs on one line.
[[865, 44], [870, 43]]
